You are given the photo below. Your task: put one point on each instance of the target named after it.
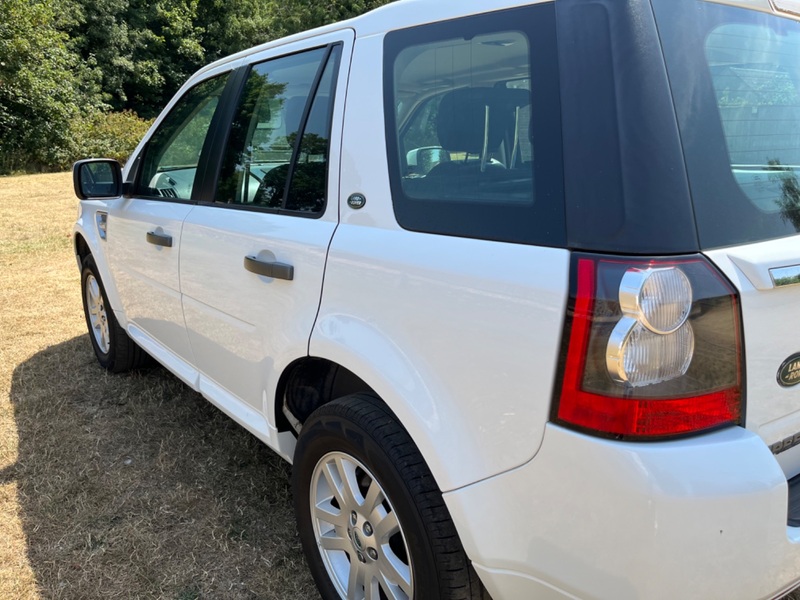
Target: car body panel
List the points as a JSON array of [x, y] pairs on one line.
[[146, 275], [772, 334], [245, 329], [700, 509], [473, 392], [86, 229]]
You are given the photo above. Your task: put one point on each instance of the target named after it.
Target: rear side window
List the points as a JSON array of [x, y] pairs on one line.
[[277, 154], [472, 118], [735, 76]]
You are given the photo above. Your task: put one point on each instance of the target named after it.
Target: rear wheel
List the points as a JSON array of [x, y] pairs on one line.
[[115, 351], [372, 521]]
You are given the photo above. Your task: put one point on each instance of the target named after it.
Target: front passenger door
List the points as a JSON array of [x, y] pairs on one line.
[[144, 230]]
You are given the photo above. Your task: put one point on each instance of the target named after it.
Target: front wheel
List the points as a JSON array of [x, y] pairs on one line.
[[372, 521], [113, 348]]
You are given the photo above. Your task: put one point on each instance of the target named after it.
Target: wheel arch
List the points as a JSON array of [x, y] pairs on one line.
[[82, 249], [450, 445], [308, 383], [86, 242]]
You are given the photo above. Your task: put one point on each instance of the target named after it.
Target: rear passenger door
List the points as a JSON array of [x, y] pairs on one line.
[[252, 258]]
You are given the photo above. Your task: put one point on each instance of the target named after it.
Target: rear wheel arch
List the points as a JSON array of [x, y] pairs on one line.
[[308, 383]]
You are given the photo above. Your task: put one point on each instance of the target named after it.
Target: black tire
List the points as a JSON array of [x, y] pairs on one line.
[[362, 427], [115, 351]]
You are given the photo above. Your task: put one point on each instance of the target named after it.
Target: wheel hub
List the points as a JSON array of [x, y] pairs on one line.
[[359, 545], [360, 534], [359, 537]]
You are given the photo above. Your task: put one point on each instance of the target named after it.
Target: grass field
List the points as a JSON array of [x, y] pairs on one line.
[[126, 486]]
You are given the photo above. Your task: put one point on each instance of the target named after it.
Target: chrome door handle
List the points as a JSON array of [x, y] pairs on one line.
[[276, 270], [159, 239]]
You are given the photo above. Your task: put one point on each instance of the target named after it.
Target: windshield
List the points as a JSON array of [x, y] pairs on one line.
[[735, 76]]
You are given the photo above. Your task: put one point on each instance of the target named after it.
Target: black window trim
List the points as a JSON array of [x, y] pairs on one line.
[[219, 145]]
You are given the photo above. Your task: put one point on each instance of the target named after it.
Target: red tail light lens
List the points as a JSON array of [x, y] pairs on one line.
[[652, 348]]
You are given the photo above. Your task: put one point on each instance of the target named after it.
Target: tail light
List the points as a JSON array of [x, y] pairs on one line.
[[652, 348]]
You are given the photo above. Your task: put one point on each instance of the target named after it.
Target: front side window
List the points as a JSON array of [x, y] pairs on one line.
[[278, 148], [171, 156], [468, 112]]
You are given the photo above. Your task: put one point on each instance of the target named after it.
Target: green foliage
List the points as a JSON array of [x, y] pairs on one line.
[[789, 202], [293, 16], [744, 87], [143, 50], [63, 63], [108, 135], [233, 25], [41, 88]]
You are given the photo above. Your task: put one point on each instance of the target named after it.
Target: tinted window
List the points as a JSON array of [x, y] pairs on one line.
[[735, 75], [279, 138], [172, 153], [472, 127]]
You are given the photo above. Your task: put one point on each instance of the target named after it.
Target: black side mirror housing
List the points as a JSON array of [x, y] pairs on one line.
[[97, 178]]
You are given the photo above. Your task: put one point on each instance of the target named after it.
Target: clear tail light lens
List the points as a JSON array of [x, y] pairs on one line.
[[660, 299], [652, 348], [639, 357]]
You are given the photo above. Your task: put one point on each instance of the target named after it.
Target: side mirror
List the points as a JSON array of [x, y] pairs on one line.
[[97, 178]]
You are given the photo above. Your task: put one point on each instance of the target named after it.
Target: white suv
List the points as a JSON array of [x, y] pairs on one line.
[[513, 285]]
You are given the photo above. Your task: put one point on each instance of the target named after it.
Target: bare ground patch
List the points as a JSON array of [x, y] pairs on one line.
[[127, 486]]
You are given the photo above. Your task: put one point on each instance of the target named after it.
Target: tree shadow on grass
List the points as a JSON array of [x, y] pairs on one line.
[[134, 486]]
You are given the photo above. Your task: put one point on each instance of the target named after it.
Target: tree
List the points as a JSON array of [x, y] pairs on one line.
[[233, 25], [63, 63], [292, 16], [143, 49], [42, 86]]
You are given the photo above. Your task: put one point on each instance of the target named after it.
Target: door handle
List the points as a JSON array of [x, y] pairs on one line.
[[276, 270], [159, 239]]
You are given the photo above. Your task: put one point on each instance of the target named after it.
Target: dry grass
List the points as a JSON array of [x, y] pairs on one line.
[[125, 486]]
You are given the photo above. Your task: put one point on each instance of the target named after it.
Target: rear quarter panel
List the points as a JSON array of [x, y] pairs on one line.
[[460, 337]]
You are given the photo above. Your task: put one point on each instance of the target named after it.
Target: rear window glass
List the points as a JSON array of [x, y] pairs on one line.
[[473, 127], [736, 80], [754, 71]]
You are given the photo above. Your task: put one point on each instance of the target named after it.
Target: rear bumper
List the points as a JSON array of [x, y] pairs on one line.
[[703, 517]]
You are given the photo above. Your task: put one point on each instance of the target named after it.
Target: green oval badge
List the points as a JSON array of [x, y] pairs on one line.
[[789, 373]]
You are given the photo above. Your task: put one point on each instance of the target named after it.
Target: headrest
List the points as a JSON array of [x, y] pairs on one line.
[[293, 112], [317, 119], [461, 121]]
